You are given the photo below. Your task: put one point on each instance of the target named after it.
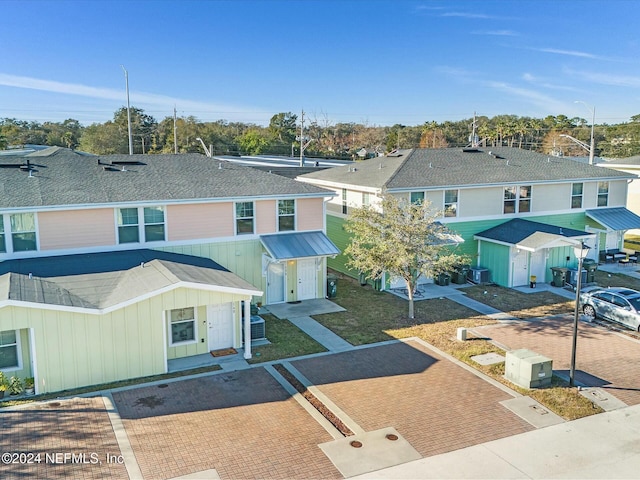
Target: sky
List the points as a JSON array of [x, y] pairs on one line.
[[376, 62]]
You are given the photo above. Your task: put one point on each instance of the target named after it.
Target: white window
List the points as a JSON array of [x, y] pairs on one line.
[[128, 225], [244, 218], [517, 199], [182, 322], [286, 215], [417, 197], [23, 232], [576, 195], [130, 230], [9, 349], [603, 194], [366, 199], [154, 224], [344, 201], [3, 240], [451, 203]]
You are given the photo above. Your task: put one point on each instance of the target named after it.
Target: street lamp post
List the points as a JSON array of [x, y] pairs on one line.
[[593, 122], [580, 252], [126, 79]]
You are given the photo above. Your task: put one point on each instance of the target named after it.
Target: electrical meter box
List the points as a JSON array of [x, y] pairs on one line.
[[528, 369]]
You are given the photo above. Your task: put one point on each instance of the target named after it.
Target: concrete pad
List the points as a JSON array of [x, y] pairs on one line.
[[533, 412], [602, 398], [468, 463], [488, 358], [376, 452], [316, 306]]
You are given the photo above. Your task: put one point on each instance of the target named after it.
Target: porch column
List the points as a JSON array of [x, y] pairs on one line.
[[247, 328]]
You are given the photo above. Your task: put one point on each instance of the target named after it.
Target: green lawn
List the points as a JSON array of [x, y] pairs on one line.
[[287, 341], [377, 316]]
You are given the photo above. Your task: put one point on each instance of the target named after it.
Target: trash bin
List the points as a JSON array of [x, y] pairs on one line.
[[559, 276], [459, 274], [363, 278], [377, 284], [590, 266], [332, 286], [443, 279]]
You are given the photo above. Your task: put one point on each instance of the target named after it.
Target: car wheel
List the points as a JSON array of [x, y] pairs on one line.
[[590, 312]]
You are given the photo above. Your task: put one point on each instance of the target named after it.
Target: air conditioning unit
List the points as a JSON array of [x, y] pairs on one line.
[[257, 327], [478, 275]]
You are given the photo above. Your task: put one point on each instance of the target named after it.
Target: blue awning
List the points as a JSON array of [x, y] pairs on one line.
[[285, 246], [616, 218]]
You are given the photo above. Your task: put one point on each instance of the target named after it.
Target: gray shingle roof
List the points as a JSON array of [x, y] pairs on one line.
[[69, 179], [516, 230], [103, 280], [433, 168]]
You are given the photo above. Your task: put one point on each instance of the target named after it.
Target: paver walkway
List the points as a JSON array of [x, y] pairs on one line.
[[73, 439], [243, 424], [434, 404], [603, 358]]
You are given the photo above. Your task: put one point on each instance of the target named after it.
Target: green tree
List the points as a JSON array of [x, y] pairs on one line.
[[253, 141], [282, 128], [403, 239]]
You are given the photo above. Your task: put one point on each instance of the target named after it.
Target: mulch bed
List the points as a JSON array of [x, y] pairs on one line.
[[313, 400]]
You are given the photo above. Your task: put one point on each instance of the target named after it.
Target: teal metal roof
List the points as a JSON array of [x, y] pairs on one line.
[[615, 218], [285, 246]]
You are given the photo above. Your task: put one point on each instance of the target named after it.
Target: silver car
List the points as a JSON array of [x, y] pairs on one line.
[[618, 304]]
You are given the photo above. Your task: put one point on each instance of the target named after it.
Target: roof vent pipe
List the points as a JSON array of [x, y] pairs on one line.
[[220, 166], [30, 276]]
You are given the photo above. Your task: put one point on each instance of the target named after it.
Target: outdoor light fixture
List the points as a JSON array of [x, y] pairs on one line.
[[580, 251]]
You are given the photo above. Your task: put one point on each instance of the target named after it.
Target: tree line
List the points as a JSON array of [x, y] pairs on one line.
[[558, 135]]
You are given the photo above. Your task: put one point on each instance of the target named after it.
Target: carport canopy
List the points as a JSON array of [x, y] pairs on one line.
[[615, 218], [532, 236], [286, 246]]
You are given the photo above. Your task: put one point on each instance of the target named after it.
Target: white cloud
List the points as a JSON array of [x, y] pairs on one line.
[[499, 33], [571, 53], [541, 100], [544, 83], [138, 98], [605, 78]]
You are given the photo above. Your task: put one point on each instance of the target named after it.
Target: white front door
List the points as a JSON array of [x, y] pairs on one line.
[[520, 269], [307, 279], [539, 265], [275, 283], [613, 240], [220, 325]]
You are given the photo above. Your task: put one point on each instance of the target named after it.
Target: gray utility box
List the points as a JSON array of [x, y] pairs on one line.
[[528, 369]]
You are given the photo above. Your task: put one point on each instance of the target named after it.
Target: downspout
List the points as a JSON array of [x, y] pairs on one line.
[[247, 328]]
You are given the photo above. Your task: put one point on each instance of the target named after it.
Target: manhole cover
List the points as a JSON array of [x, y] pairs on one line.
[[355, 444], [164, 385], [391, 436]]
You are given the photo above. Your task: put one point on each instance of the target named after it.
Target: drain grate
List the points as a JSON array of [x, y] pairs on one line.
[[314, 401]]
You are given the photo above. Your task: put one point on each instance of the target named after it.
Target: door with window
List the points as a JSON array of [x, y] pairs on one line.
[[220, 326], [275, 283], [307, 279]]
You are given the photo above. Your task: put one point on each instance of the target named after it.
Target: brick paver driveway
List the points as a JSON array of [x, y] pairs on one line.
[[434, 404], [609, 359], [243, 424], [72, 438]]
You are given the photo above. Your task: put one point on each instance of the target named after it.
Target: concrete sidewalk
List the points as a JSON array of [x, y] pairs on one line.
[[599, 446]]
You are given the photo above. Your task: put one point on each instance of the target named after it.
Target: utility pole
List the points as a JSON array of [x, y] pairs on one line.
[[126, 79], [592, 145], [175, 132], [303, 144]]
